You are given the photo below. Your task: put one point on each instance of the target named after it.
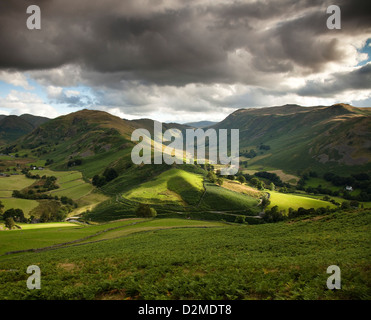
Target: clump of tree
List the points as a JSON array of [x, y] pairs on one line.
[[241, 179], [108, 175], [48, 162], [249, 154], [265, 202], [74, 162], [211, 176], [264, 147], [257, 183], [31, 195], [15, 214], [274, 215], [145, 211], [271, 177]]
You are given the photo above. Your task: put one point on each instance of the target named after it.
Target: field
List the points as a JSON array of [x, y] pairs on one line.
[[222, 199], [36, 236], [71, 183], [14, 182], [174, 185], [315, 182], [241, 188], [26, 205], [286, 260], [285, 201]]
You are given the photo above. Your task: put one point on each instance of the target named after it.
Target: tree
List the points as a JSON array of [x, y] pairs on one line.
[[265, 202], [257, 183], [15, 214], [1, 207], [9, 223], [145, 211], [220, 181], [240, 219], [99, 181], [345, 205], [272, 186], [211, 176], [110, 174], [241, 179]]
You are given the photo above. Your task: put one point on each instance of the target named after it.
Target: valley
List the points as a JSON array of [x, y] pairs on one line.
[[299, 201]]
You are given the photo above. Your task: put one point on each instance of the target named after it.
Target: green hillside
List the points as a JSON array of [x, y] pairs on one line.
[[174, 185], [185, 259], [295, 138], [13, 127]]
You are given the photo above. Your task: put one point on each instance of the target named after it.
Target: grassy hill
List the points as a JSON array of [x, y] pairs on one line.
[[96, 138], [13, 127], [295, 138], [174, 185]]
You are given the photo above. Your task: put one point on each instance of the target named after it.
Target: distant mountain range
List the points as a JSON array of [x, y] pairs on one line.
[[12, 127], [290, 137], [200, 124]]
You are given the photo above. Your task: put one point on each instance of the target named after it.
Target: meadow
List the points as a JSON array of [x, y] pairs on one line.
[[174, 185], [71, 183], [285, 201], [286, 260], [26, 205]]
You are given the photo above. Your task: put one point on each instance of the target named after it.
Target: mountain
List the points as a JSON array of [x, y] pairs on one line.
[[34, 120], [95, 137], [295, 138], [290, 137], [12, 127], [201, 124]]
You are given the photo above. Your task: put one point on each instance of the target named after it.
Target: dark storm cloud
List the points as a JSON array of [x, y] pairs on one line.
[[359, 79], [177, 42]]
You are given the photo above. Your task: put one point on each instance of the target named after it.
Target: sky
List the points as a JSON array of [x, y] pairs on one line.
[[182, 61]]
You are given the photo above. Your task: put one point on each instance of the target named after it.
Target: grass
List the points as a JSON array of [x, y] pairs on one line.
[[28, 226], [174, 185], [70, 182], [75, 192], [16, 182], [46, 234], [35, 236], [286, 260], [315, 182], [221, 199], [241, 188], [285, 201], [26, 205]]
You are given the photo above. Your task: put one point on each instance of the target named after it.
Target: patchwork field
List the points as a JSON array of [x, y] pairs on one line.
[[285, 201], [70, 183]]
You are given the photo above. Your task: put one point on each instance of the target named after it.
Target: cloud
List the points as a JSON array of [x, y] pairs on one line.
[[15, 78], [175, 57], [18, 103], [359, 79]]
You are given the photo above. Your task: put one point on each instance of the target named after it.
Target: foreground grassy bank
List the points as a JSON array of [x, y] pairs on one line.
[[286, 260]]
